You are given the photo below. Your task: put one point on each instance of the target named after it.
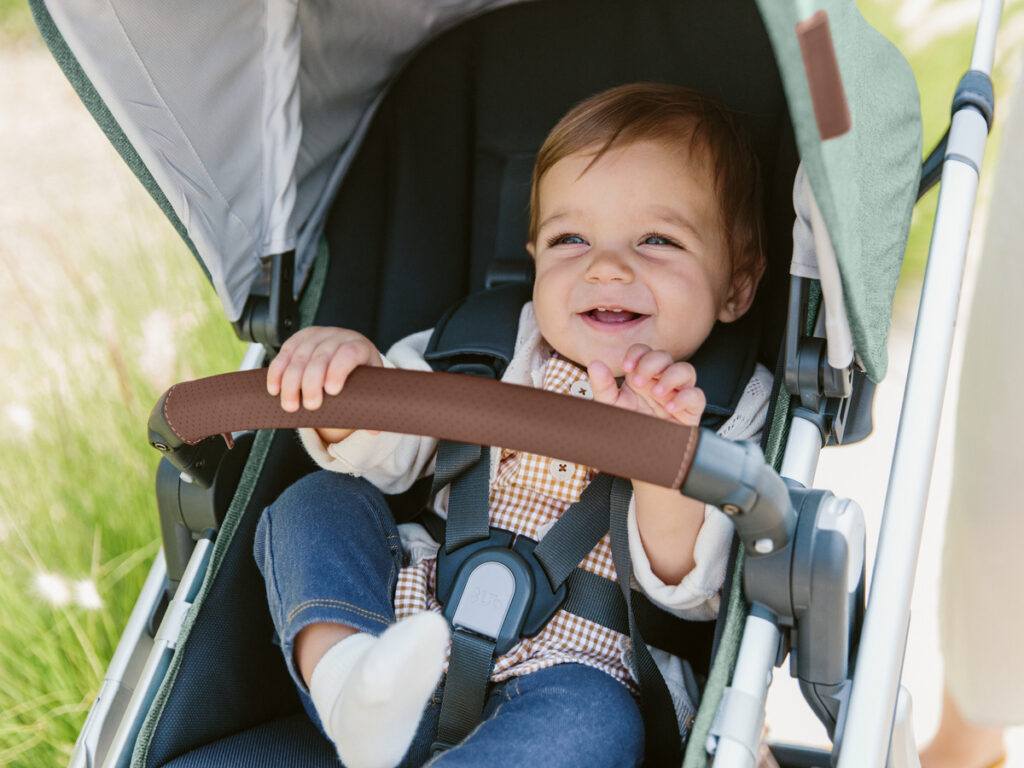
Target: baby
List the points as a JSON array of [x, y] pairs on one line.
[[645, 231]]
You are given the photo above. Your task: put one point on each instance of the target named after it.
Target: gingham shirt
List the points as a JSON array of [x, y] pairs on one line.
[[528, 495]]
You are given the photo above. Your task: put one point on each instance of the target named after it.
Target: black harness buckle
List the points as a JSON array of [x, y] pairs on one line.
[[497, 588]]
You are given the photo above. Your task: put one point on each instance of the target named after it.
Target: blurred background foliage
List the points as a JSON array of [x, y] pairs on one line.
[[104, 308]]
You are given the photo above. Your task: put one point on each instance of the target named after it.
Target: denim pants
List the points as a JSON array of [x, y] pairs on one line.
[[329, 551]]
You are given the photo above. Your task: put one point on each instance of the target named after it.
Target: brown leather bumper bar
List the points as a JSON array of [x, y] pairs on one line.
[[444, 405]]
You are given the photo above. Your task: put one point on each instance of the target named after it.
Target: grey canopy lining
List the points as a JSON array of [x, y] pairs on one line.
[[208, 95]]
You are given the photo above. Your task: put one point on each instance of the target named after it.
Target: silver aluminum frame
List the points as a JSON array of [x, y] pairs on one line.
[[872, 708], [159, 659], [122, 675], [879, 712]]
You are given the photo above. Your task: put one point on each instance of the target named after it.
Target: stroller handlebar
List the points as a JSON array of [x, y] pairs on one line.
[[472, 409], [449, 406]]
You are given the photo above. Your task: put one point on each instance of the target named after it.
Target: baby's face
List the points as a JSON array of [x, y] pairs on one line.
[[632, 251]]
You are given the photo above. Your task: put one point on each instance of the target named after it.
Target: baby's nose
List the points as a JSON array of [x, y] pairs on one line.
[[610, 265]]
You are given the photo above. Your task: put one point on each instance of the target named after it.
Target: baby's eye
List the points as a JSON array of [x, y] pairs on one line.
[[654, 239], [566, 239]]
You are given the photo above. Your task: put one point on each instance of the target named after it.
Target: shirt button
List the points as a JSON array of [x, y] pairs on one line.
[[581, 388], [561, 470]]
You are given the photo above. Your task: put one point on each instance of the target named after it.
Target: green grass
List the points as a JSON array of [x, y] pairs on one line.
[[76, 490], [16, 25], [76, 485]]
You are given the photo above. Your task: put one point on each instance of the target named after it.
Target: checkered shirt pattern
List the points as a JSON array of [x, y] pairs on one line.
[[528, 495]]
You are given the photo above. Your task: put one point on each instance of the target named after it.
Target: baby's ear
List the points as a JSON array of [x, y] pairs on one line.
[[743, 289], [531, 248]]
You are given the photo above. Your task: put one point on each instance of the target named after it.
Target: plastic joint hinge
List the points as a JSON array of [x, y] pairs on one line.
[[975, 90]]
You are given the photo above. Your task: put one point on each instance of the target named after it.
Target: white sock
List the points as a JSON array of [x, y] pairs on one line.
[[370, 692]]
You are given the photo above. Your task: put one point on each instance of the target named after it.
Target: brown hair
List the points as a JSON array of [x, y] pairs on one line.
[[654, 111]]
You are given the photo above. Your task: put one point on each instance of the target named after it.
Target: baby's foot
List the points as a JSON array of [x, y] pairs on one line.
[[385, 686]]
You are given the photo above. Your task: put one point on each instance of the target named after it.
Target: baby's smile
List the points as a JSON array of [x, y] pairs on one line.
[[612, 319]]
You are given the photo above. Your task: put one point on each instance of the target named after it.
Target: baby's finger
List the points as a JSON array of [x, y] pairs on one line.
[[676, 376], [274, 371], [602, 383], [291, 379], [633, 355], [649, 366], [344, 360], [687, 406], [280, 363], [315, 373], [277, 367]]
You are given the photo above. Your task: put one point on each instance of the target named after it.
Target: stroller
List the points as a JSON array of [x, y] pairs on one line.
[[372, 172]]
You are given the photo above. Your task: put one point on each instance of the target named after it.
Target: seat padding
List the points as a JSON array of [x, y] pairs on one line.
[[291, 741]]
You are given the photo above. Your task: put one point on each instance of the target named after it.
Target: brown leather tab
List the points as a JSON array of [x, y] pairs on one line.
[[831, 111], [451, 407]]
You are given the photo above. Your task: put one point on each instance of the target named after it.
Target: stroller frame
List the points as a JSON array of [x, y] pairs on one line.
[[876, 719]]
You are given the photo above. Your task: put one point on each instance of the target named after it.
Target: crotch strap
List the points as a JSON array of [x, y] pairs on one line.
[[497, 589]]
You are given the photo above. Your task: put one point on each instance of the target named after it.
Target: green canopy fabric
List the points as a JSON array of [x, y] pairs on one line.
[[865, 181]]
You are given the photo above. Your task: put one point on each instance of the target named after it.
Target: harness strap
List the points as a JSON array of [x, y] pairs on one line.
[[662, 743], [578, 530], [465, 688], [466, 468], [596, 599], [567, 543]]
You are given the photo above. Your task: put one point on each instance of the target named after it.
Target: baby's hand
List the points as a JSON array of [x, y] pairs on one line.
[[655, 384], [317, 360]]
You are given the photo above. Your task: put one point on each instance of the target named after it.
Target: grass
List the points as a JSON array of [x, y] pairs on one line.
[[107, 314], [16, 25], [77, 510]]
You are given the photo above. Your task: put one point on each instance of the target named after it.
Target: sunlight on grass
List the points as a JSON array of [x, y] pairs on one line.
[[110, 309], [16, 25], [78, 513]]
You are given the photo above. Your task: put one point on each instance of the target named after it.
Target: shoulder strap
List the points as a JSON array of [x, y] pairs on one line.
[[724, 364], [478, 335], [663, 745]]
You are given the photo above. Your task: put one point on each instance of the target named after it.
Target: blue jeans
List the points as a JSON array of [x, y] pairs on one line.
[[329, 551]]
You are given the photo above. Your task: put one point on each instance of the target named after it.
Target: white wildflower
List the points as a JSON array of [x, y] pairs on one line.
[[87, 596], [53, 588]]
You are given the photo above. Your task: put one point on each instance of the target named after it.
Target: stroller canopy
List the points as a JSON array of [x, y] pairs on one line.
[[242, 119]]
